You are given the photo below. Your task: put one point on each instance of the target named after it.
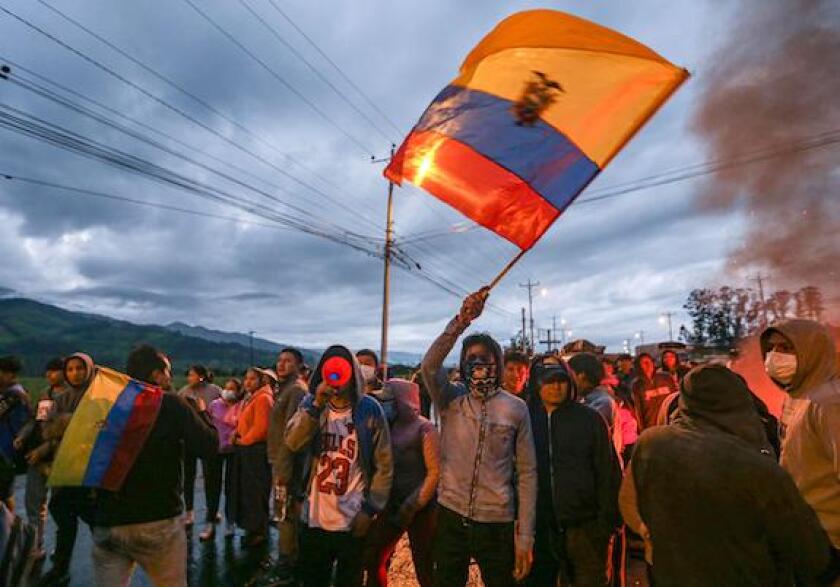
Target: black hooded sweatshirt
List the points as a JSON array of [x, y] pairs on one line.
[[579, 481], [719, 509]]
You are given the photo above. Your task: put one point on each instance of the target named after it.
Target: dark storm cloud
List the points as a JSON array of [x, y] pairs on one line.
[[608, 264]]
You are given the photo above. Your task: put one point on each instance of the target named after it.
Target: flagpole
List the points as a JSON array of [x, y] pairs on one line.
[[507, 268], [386, 280]]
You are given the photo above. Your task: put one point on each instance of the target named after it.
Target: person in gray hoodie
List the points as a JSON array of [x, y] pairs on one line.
[[488, 485], [801, 358], [68, 504], [344, 439]]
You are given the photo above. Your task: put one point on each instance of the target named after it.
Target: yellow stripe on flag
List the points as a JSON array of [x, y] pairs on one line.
[[610, 83], [73, 454]]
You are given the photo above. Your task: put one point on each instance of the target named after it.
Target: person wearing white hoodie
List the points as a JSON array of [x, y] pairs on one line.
[[801, 358]]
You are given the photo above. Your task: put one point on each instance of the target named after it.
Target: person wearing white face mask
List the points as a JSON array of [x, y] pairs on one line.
[[369, 364], [224, 412], [801, 358]]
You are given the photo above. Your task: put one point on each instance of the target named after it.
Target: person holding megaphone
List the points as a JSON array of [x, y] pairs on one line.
[[348, 470]]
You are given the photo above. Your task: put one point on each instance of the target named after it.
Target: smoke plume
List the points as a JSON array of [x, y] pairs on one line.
[[774, 87]]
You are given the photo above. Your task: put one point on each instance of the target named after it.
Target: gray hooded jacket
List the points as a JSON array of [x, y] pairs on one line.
[[488, 464]]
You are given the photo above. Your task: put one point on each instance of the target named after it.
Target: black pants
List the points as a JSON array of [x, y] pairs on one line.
[[457, 540], [576, 555], [67, 505], [211, 470], [216, 470], [190, 468], [319, 549]]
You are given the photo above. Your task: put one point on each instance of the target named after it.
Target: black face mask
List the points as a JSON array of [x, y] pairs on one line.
[[482, 375]]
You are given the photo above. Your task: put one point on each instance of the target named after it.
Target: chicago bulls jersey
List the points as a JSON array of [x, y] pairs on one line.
[[337, 490]]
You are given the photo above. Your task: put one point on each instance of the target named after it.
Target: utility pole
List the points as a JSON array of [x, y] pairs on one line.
[[759, 279], [668, 316], [550, 340], [251, 345], [641, 336], [524, 336], [531, 285], [386, 278]]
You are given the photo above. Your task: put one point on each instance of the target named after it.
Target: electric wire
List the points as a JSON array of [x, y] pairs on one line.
[[340, 71], [44, 92], [178, 111], [134, 201], [280, 39], [364, 148], [34, 127], [172, 83]]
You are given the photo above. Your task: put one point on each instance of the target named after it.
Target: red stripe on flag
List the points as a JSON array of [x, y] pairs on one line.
[[140, 422], [480, 189]]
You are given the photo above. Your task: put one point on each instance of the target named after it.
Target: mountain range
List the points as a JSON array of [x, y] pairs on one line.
[[36, 332]]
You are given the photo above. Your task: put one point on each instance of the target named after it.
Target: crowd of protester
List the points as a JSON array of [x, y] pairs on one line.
[[541, 470]]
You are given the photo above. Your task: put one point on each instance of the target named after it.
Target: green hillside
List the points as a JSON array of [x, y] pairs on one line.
[[35, 332]]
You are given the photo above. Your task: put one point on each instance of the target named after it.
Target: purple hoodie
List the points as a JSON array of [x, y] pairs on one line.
[[224, 417]]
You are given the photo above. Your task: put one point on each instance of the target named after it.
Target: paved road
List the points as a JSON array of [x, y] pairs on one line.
[[221, 563], [218, 564]]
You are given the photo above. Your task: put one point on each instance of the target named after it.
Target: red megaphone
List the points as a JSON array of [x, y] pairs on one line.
[[336, 371]]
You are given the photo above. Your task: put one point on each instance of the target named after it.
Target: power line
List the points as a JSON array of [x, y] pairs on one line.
[[29, 125], [314, 70], [44, 92], [457, 291], [364, 148], [344, 76], [822, 140], [127, 200], [170, 82], [175, 109], [67, 103]]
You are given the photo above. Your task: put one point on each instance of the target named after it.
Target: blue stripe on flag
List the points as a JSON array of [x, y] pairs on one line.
[[540, 155], [109, 436]]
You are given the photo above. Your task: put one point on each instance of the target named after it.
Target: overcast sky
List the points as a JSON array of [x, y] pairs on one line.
[[609, 268]]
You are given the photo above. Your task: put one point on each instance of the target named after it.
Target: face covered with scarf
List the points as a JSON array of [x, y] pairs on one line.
[[482, 372]]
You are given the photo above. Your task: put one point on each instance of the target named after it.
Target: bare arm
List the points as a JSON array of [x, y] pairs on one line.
[[431, 457], [628, 502]]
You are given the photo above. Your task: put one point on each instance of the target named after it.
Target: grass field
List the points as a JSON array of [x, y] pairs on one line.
[[36, 385]]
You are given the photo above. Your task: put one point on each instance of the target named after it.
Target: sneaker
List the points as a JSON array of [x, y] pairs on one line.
[[189, 518], [281, 575], [208, 534]]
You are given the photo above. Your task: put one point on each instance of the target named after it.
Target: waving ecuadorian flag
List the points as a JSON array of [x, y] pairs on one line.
[[540, 107], [107, 431]]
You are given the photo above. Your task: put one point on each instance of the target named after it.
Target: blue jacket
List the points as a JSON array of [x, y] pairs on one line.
[[303, 435], [14, 414]]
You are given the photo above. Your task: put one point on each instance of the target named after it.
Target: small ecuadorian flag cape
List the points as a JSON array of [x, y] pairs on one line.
[[107, 431], [540, 106]]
